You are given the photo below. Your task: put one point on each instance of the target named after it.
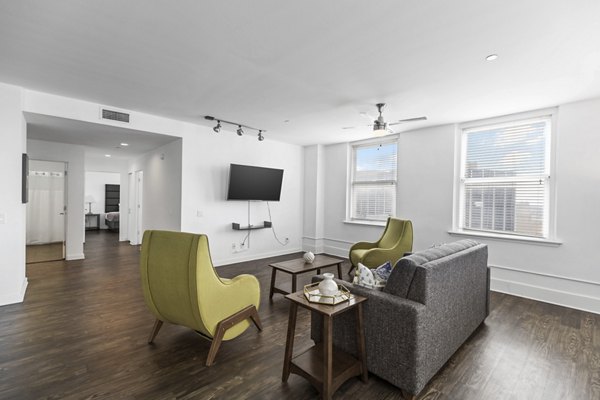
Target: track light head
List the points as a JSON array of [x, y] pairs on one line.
[[239, 131], [260, 136], [217, 128]]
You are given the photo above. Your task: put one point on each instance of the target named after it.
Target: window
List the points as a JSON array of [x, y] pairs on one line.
[[373, 181], [505, 178]]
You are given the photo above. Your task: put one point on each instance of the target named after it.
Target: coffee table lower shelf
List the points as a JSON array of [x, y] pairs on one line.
[[309, 364]]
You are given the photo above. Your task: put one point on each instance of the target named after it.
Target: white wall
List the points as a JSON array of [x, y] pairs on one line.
[[95, 186], [206, 159], [13, 282], [73, 155], [161, 187], [568, 274]]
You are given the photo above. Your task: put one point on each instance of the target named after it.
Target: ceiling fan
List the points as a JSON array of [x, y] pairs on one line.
[[380, 127]]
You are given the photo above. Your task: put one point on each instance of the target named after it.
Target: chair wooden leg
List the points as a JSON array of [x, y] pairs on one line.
[[351, 269], [256, 319], [224, 325], [157, 325]]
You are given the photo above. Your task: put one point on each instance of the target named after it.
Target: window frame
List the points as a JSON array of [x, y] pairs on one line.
[[550, 161], [351, 168]]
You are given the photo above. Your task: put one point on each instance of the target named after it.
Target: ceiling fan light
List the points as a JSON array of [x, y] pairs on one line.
[[379, 128]]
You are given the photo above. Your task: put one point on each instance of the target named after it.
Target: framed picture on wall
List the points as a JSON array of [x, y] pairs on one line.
[[25, 178]]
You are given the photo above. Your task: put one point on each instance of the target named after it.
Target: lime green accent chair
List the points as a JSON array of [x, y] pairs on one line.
[[396, 240], [182, 287]]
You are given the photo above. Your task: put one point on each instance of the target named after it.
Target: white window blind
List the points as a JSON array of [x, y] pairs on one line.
[[373, 181], [505, 178]]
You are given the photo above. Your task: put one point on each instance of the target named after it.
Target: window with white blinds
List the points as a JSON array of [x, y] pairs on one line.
[[373, 181], [505, 178]]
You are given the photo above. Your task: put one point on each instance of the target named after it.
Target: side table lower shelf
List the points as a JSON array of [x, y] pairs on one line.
[[309, 365], [324, 366]]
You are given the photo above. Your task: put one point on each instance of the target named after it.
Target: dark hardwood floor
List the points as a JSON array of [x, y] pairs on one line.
[[81, 334]]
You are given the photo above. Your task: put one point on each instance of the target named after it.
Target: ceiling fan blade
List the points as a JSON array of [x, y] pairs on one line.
[[368, 116], [409, 120]]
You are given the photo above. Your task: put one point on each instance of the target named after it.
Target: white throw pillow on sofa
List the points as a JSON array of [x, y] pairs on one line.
[[368, 278]]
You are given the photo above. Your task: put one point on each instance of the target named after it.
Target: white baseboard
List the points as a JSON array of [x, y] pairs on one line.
[[315, 245], [16, 297], [551, 289], [71, 257], [336, 247], [241, 257]]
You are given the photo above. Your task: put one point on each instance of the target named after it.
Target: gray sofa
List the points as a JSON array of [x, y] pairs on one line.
[[432, 302]]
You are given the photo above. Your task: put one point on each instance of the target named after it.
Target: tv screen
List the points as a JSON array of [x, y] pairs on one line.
[[254, 183]]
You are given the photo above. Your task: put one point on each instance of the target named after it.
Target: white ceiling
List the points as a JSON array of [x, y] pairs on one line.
[[97, 138], [315, 63]]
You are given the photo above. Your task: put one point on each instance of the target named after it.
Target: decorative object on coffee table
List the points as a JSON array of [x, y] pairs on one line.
[[309, 257], [323, 366], [298, 266]]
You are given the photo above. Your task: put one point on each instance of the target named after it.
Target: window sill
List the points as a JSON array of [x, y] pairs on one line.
[[363, 222], [508, 238]]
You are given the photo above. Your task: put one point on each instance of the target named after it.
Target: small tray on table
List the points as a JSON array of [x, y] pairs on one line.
[[312, 294]]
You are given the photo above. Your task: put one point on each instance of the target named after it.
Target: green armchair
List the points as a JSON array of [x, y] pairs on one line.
[[396, 240], [182, 287]]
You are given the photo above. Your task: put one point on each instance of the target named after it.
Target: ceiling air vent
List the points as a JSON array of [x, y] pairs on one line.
[[115, 115]]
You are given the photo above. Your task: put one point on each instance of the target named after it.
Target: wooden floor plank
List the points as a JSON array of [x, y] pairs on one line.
[[81, 333]]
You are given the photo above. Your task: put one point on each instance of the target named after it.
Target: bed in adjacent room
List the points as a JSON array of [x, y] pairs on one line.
[[111, 206]]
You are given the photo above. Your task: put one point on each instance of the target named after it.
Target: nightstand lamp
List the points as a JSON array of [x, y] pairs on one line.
[[89, 200]]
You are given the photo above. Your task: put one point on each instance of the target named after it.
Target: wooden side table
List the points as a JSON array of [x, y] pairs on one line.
[[325, 368], [299, 266], [89, 222]]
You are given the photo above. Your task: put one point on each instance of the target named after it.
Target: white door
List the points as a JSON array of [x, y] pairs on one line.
[[46, 211], [139, 197], [131, 225]]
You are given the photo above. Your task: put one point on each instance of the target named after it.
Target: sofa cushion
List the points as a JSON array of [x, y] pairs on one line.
[[403, 273]]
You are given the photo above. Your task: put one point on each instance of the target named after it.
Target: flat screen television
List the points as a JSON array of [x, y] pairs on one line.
[[254, 183]]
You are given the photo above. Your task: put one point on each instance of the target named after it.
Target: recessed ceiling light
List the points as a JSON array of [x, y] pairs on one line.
[[124, 144], [491, 57], [107, 155]]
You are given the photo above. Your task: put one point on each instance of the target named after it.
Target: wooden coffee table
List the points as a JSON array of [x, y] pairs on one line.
[[299, 266]]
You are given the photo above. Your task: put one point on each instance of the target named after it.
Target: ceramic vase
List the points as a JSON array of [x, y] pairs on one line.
[[308, 257], [328, 287]]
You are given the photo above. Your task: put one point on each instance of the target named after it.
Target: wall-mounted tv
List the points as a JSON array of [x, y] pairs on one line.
[[254, 183]]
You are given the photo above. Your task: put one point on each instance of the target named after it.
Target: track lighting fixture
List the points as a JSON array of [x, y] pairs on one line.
[[240, 127]]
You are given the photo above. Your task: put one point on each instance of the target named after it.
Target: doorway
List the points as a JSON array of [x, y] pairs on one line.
[[46, 211], [136, 197]]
